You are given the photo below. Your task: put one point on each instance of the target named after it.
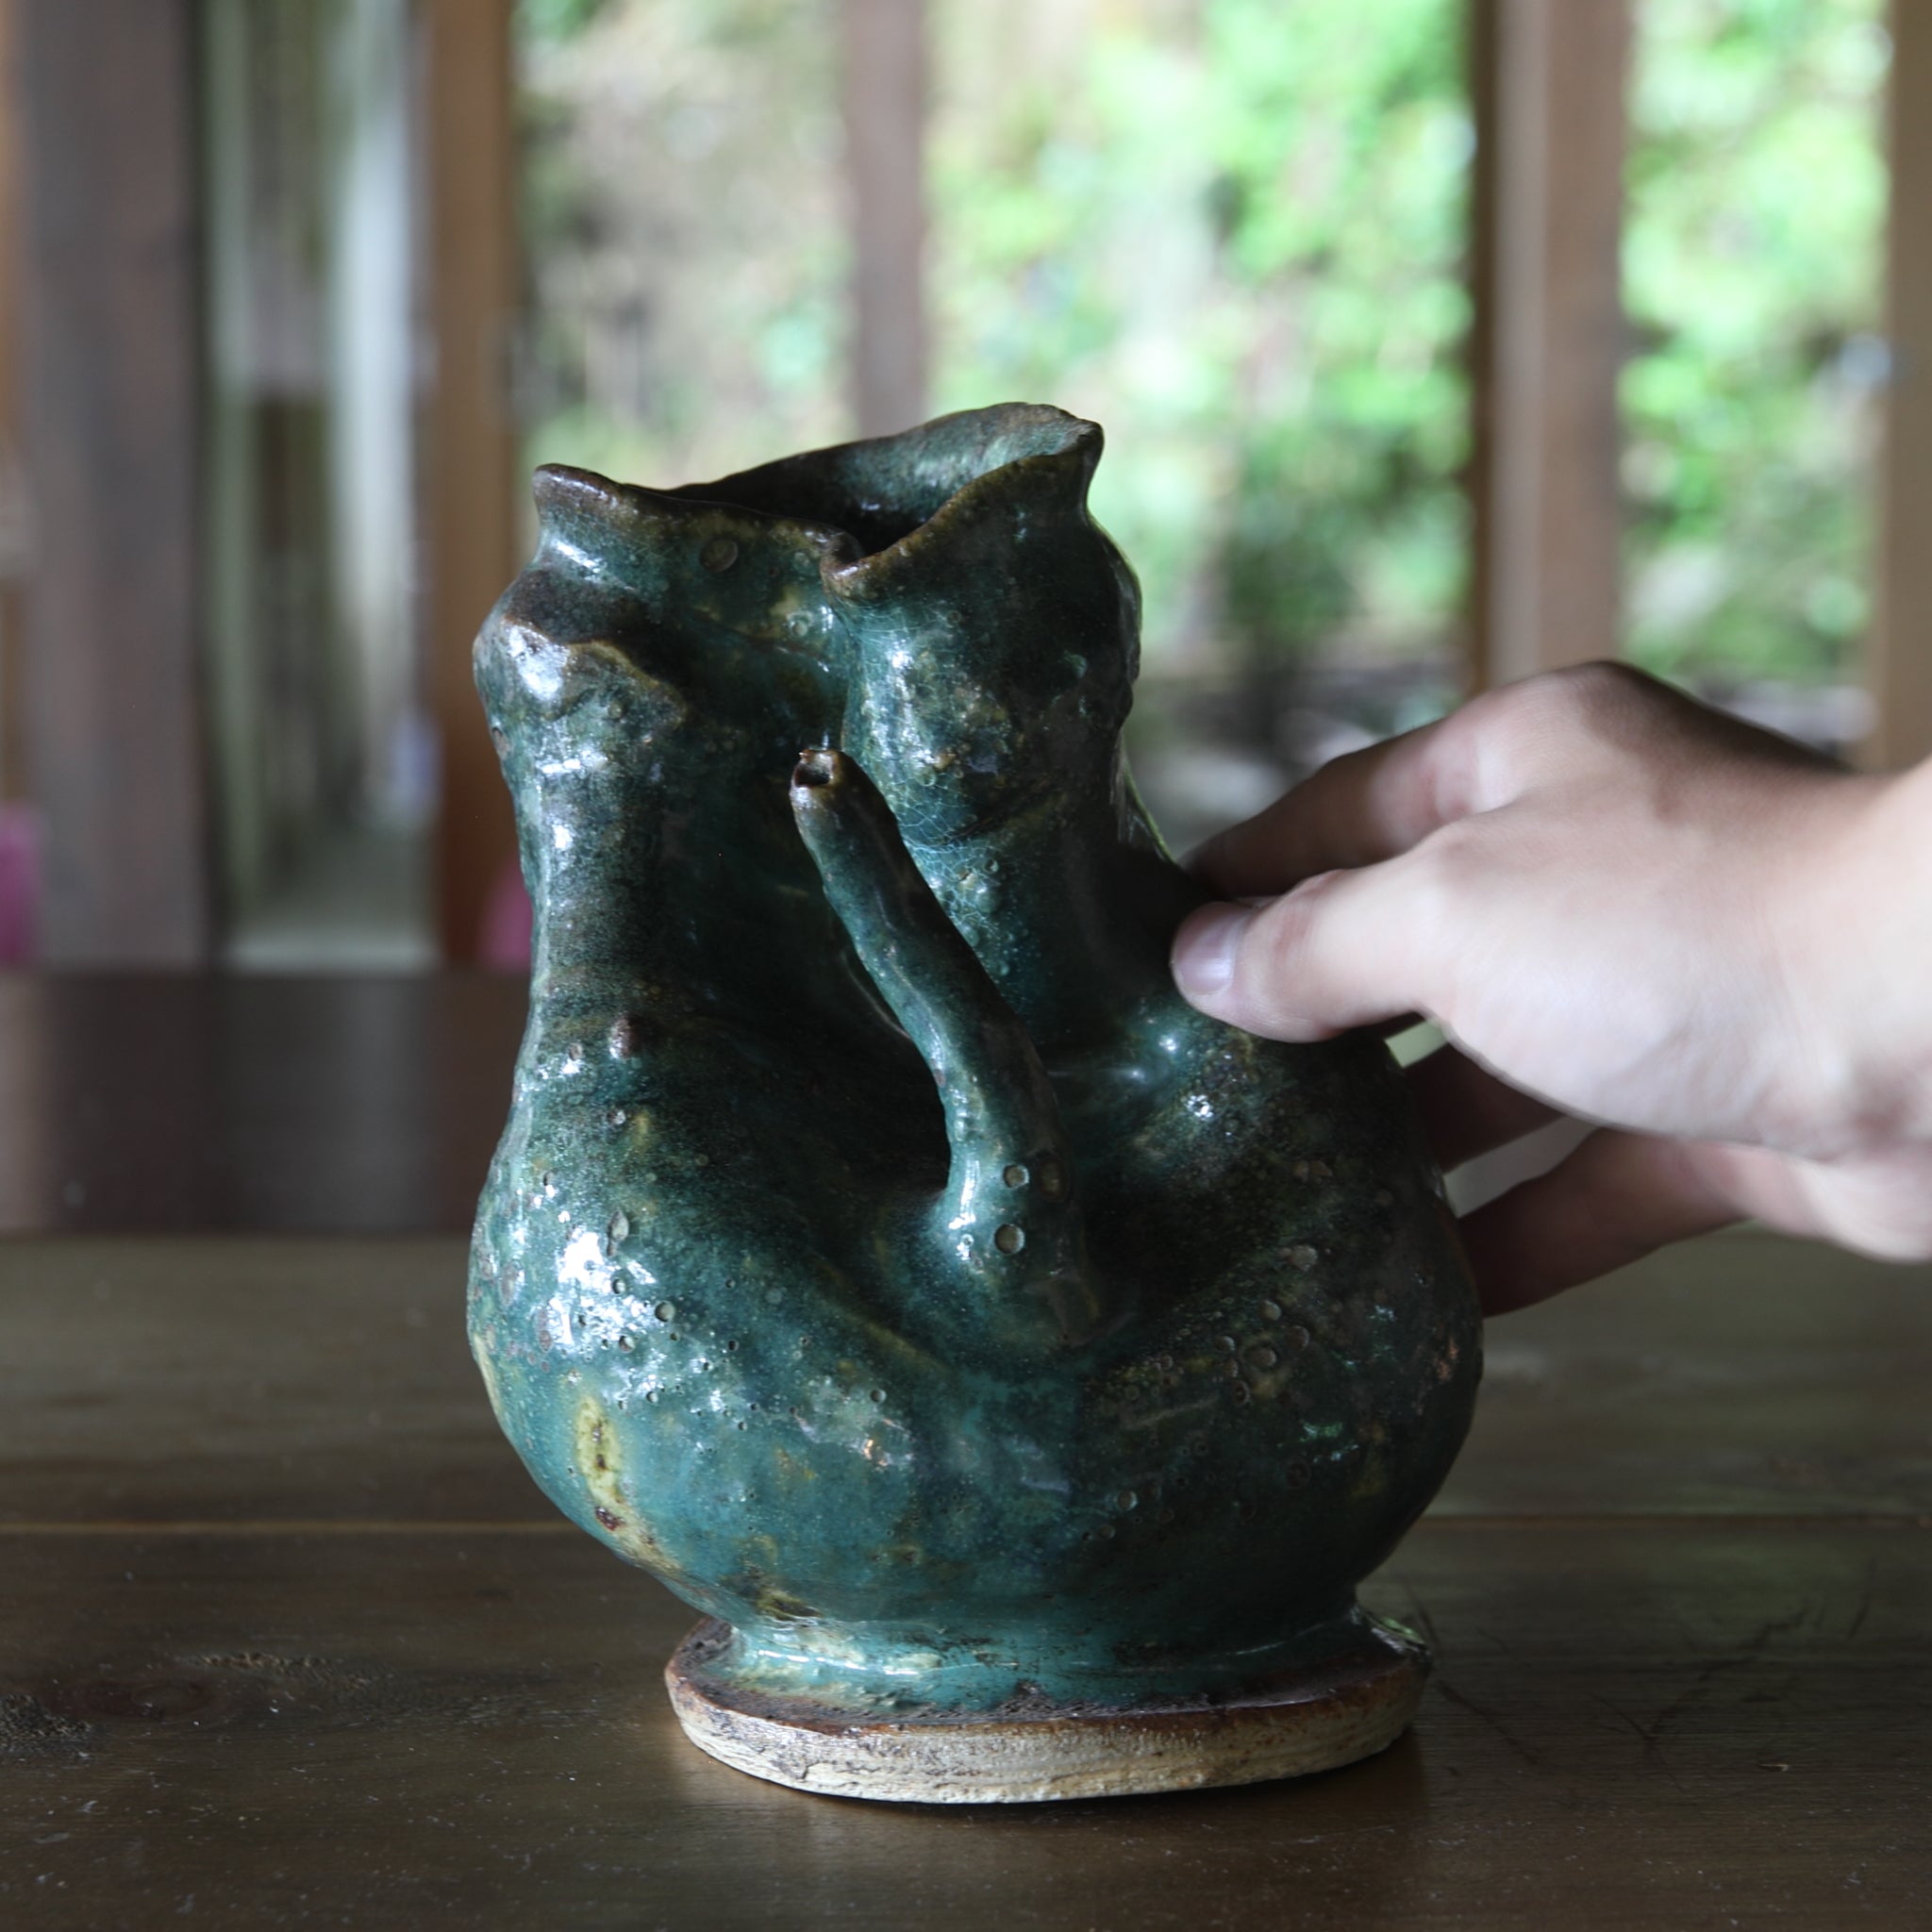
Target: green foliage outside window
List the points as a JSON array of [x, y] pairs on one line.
[[1233, 231], [1752, 278]]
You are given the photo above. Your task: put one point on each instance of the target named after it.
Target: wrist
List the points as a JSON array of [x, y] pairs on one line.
[[1866, 952]]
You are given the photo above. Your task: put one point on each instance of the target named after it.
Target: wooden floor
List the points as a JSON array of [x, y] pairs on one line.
[[287, 1638]]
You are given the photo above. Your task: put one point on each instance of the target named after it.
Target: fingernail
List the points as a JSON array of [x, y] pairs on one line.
[[1205, 947]]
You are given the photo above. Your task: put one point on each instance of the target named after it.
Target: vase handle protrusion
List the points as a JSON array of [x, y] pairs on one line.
[[1010, 1214]]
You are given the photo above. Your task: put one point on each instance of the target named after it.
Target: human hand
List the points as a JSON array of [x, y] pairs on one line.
[[1620, 905]]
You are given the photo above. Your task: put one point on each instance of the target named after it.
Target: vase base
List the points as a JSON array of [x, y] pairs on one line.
[[1347, 1707]]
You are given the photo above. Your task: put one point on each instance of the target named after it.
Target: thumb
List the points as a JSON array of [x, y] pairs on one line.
[[1342, 949]]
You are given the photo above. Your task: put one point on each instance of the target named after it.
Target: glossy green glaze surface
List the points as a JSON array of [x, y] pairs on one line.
[[879, 1250]]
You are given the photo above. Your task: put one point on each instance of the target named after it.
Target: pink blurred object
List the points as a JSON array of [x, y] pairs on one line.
[[505, 943], [19, 884]]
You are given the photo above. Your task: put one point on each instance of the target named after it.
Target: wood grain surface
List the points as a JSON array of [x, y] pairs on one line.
[[152, 1101], [1648, 1725], [287, 1638]]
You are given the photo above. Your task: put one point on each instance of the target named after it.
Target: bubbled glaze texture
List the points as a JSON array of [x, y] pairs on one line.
[[879, 1251]]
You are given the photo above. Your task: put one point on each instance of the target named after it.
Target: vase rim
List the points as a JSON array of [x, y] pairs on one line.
[[872, 507]]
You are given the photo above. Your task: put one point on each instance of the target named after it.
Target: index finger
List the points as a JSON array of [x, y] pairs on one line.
[[1357, 810]]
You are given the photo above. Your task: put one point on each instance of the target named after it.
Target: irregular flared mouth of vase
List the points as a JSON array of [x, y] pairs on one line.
[[885, 490]]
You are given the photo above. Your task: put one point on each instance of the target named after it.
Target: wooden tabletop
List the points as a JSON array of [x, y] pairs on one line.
[[287, 1638], [351, 1105]]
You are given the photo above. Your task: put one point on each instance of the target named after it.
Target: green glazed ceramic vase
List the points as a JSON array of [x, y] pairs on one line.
[[1018, 1368]]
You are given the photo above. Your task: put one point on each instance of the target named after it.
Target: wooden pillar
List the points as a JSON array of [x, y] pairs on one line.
[[109, 359], [1549, 83], [12, 520], [1901, 663], [884, 103], [472, 481]]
